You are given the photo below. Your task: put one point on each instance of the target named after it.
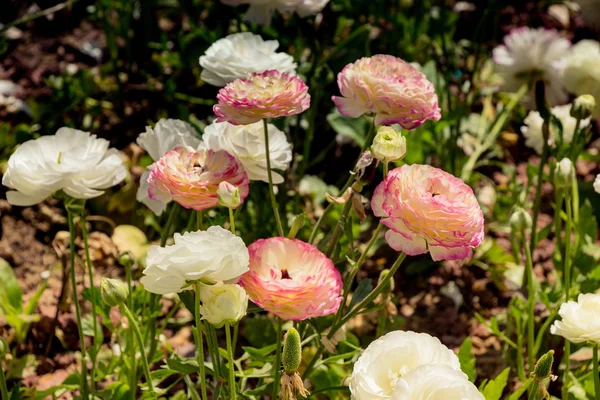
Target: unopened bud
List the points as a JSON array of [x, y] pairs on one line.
[[297, 224], [564, 173], [3, 347], [228, 195], [543, 368], [126, 259], [583, 107], [520, 220], [113, 292], [292, 351], [388, 145], [390, 284]]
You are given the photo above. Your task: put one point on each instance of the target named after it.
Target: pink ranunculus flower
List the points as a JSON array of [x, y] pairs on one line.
[[270, 94], [292, 279], [428, 209], [392, 89], [191, 177]]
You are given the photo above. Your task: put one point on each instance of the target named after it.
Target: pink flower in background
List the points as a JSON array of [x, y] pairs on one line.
[[428, 209], [191, 177], [395, 91], [270, 94], [292, 279]]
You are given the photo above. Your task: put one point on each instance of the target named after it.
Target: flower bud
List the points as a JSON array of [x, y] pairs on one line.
[[228, 195], [113, 292], [126, 259], [388, 145], [292, 351], [520, 220], [223, 303], [564, 173], [3, 347], [543, 368], [583, 106], [389, 286], [297, 224]]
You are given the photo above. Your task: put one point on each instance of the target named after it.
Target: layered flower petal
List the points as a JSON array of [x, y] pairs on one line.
[[292, 279], [435, 382], [428, 209], [392, 89], [580, 320]]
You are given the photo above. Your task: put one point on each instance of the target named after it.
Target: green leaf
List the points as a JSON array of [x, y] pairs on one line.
[[183, 366], [362, 291], [467, 360], [520, 391], [187, 298], [10, 291], [355, 129], [492, 390], [260, 354]]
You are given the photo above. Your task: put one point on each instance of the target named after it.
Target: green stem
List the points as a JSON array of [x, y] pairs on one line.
[[567, 290], [329, 207], [232, 388], [596, 376], [39, 14], [386, 167], [199, 342], [131, 335], [370, 297], [339, 228], [270, 176], [3, 388], [530, 304], [277, 365], [138, 334], [213, 347], [96, 342], [84, 384], [231, 220], [200, 220]]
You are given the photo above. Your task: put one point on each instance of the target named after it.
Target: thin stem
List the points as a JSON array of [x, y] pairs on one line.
[[90, 267], [231, 220], [39, 14], [213, 347], [84, 385], [386, 167], [339, 228], [3, 388], [232, 388], [595, 369], [329, 207], [138, 334], [530, 304], [277, 365], [131, 335], [200, 220], [567, 289], [199, 342], [270, 175]]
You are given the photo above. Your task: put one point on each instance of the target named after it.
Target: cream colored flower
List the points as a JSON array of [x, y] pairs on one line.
[[388, 145], [261, 11], [435, 382], [378, 370], [580, 320], [241, 54], [223, 304], [582, 75], [247, 144], [211, 256], [597, 184]]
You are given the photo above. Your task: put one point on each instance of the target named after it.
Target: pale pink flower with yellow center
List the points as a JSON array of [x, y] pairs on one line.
[[292, 279], [392, 89], [270, 94], [428, 209], [191, 177]]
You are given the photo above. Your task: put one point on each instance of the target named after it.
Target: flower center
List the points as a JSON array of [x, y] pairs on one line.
[[285, 274]]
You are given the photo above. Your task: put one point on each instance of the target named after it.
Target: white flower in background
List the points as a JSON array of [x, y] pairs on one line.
[[564, 173], [211, 256], [241, 54], [247, 144], [580, 320], [597, 183], [532, 130], [384, 361], [73, 161], [261, 11], [165, 136], [435, 382], [223, 304], [582, 75], [530, 52], [8, 90]]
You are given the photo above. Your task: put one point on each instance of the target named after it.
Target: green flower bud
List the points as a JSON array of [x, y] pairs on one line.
[[543, 368], [389, 287], [292, 351], [520, 220], [228, 195], [388, 145], [564, 174], [3, 347], [583, 106], [297, 224], [113, 292], [126, 259]]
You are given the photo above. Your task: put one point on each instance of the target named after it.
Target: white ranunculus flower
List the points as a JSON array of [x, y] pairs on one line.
[[597, 184], [435, 382], [528, 52], [532, 130], [241, 54], [247, 144], [582, 75], [211, 256], [73, 161], [388, 145], [223, 303], [261, 11], [393, 355], [166, 135], [580, 320]]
